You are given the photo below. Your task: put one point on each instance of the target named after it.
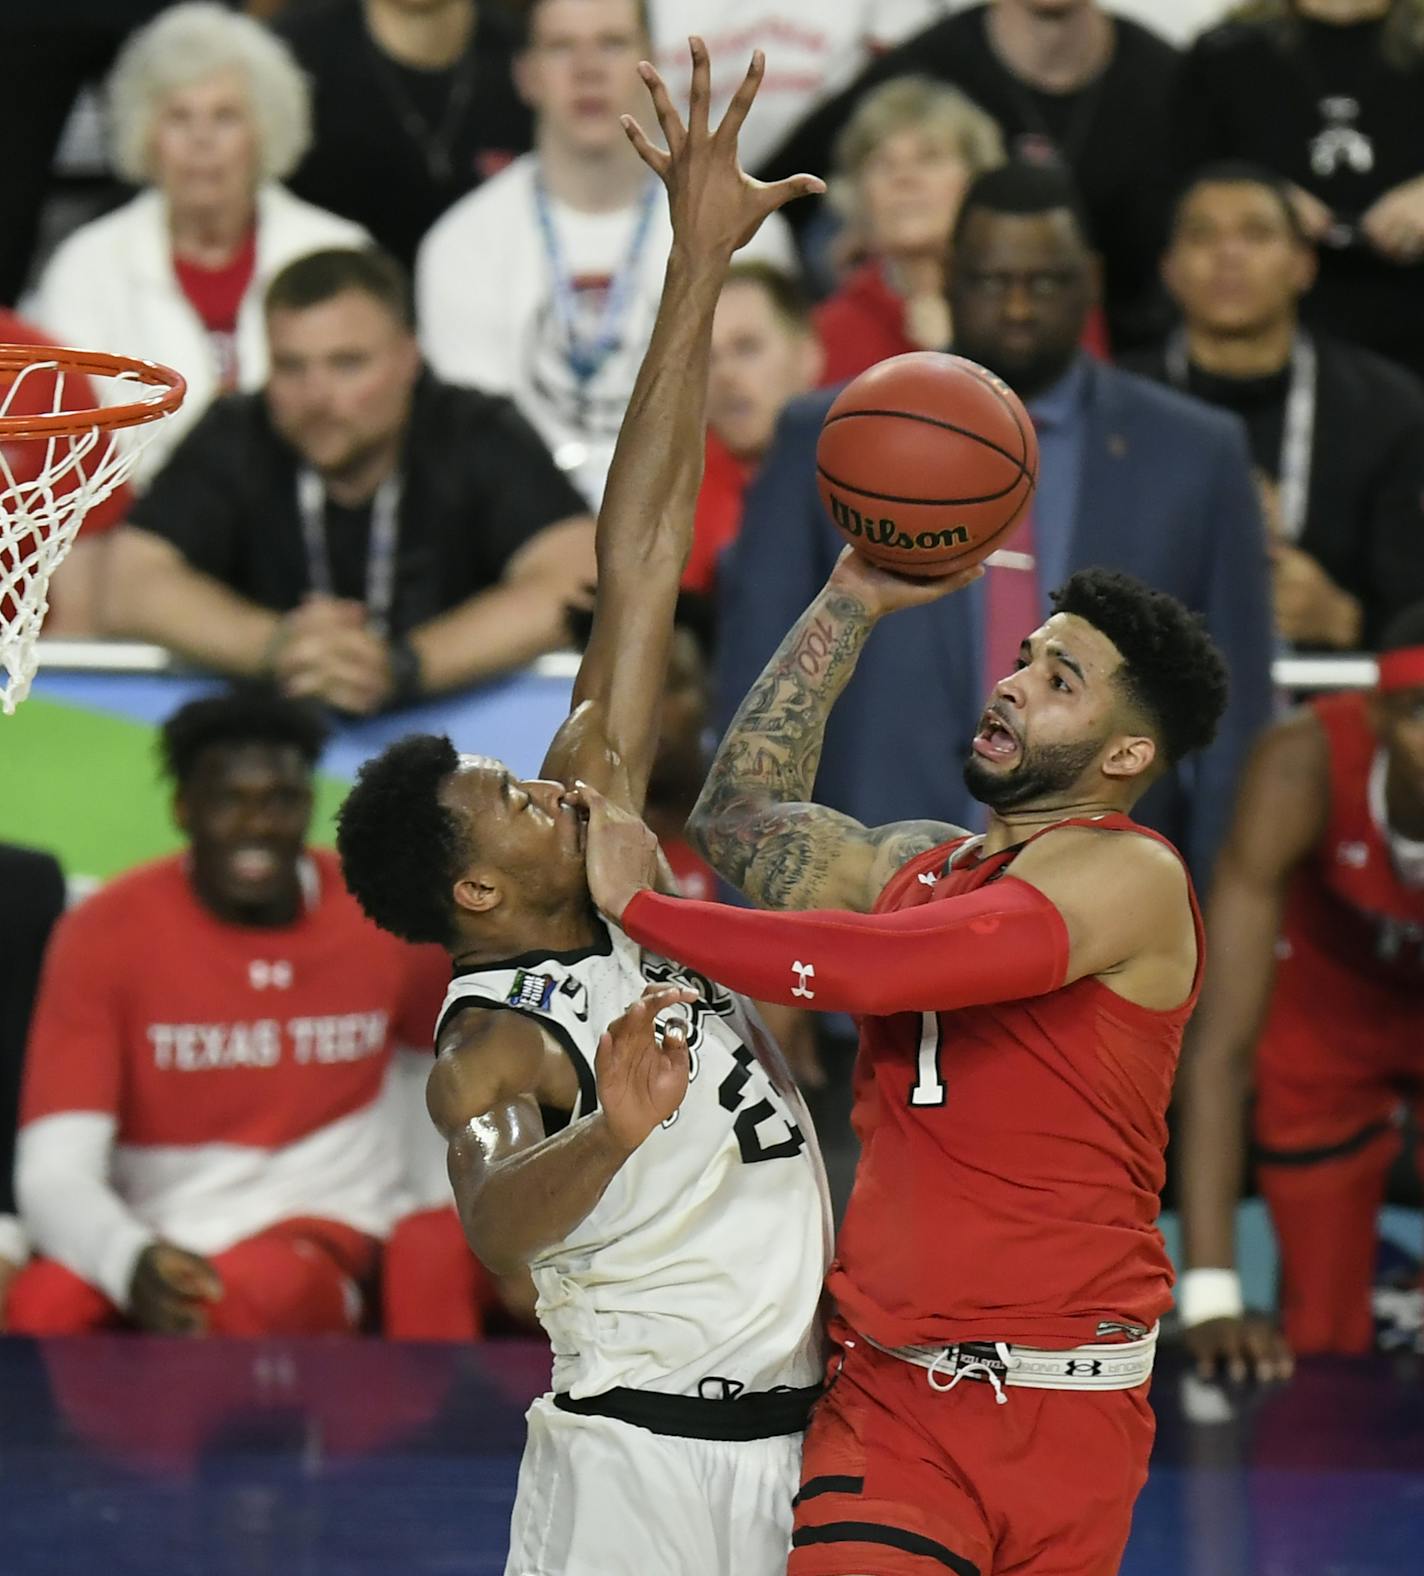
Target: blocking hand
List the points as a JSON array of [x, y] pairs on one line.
[[643, 1079], [716, 207]]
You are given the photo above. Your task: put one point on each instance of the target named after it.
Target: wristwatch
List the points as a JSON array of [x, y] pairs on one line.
[[406, 678]]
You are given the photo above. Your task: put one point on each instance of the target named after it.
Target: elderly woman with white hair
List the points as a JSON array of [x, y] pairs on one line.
[[209, 112], [903, 163]]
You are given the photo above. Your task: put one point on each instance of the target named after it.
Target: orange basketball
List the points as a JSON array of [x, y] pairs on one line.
[[926, 463]]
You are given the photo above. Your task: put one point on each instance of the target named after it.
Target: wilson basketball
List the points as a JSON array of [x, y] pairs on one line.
[[926, 463]]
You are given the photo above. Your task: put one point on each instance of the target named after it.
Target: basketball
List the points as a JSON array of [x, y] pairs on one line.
[[926, 463]]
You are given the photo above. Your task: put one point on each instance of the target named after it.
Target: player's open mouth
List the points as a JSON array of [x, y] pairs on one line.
[[995, 740]]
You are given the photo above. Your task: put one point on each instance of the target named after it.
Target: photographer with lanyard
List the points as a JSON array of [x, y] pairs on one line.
[[1336, 433], [359, 531]]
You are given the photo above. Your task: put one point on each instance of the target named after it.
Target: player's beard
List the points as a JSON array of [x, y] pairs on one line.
[[1046, 772]]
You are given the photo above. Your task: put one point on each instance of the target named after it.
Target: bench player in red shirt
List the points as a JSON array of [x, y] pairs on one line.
[[1023, 997], [206, 1145], [1319, 903]]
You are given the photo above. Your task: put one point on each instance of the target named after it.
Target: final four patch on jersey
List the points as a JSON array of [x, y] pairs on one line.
[[531, 990]]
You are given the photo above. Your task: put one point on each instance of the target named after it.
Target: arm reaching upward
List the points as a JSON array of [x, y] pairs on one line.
[[645, 525], [755, 823]]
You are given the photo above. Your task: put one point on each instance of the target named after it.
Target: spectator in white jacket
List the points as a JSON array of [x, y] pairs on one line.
[[209, 112]]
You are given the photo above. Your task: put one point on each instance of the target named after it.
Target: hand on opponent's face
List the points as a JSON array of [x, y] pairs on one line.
[[620, 853], [715, 206]]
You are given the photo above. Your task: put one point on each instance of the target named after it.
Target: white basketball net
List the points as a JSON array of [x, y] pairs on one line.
[[48, 483]]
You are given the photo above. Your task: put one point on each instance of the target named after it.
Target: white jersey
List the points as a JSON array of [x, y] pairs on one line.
[[699, 1271]]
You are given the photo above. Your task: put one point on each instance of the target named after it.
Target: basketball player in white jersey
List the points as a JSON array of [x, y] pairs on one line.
[[668, 1197]]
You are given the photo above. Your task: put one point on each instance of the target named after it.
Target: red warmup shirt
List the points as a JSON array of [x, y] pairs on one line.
[[1018, 1199], [241, 1065], [1347, 908]]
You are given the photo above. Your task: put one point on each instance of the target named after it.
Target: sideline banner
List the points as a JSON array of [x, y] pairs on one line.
[[79, 771]]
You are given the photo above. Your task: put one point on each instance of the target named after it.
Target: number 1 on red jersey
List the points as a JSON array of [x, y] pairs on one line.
[[929, 1086]]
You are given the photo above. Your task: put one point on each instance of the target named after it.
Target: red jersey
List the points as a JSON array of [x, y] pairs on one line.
[[1347, 902], [241, 1066], [1012, 1155]]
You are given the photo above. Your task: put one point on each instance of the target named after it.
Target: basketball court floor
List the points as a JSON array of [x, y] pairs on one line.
[[147, 1457]]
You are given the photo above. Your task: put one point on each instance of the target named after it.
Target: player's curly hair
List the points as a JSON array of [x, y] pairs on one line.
[[401, 850], [240, 714], [1171, 670]]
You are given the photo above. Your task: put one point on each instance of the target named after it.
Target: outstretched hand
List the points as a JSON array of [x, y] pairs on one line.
[[716, 207], [621, 853], [643, 1072], [882, 591]]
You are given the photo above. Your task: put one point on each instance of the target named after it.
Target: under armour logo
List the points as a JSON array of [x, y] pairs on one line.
[[803, 972], [927, 878], [1083, 1368], [261, 975], [1355, 855]]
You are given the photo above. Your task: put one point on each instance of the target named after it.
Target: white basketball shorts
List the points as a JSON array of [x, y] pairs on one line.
[[598, 1497]]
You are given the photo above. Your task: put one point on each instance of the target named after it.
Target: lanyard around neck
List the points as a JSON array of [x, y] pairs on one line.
[[586, 356], [380, 551], [1297, 430]]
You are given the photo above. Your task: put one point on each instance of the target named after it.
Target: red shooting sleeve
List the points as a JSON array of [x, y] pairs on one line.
[[1002, 942]]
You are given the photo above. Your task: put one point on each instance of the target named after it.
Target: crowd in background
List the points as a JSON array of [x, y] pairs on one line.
[[408, 263]]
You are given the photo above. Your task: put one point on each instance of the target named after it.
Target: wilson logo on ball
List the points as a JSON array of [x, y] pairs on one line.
[[885, 533]]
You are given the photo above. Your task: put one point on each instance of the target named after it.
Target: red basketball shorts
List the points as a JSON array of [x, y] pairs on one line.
[[898, 1479]]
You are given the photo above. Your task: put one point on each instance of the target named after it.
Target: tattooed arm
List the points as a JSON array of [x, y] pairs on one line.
[[754, 822]]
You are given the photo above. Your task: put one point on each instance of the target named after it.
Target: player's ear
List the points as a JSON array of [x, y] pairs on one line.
[[1132, 755], [182, 816], [477, 893]]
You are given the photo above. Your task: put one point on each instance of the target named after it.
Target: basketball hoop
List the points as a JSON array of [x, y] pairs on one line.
[[60, 455]]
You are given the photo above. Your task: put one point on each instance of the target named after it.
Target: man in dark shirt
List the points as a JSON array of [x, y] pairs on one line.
[[1336, 434], [1327, 94], [359, 530], [1067, 81], [413, 106]]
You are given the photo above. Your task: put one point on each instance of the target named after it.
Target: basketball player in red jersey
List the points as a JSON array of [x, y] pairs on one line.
[[1023, 997], [1319, 903]]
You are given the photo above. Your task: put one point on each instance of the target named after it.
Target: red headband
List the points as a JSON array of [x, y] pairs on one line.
[[1401, 670]]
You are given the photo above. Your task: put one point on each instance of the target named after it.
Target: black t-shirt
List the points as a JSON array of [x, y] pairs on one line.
[[31, 901], [1364, 518], [394, 145], [476, 484], [1322, 107], [1113, 134]]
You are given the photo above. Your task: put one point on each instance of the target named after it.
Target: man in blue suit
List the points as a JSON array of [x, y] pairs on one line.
[[1132, 477]]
